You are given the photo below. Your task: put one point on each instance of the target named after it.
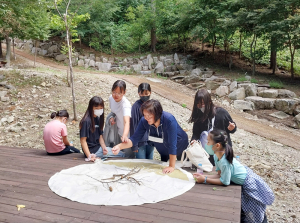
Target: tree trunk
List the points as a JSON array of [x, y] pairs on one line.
[[153, 40], [35, 51], [253, 53], [273, 56], [240, 48], [1, 52], [14, 48], [71, 69], [225, 49], [214, 44], [79, 40], [8, 51], [292, 67]]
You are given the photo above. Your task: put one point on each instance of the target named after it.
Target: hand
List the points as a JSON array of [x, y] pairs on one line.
[[105, 151], [124, 139], [116, 150], [93, 159], [231, 126], [135, 151], [193, 141], [112, 121], [168, 169], [71, 144], [199, 177]]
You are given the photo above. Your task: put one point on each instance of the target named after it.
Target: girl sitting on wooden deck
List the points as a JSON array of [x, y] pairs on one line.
[[256, 194], [55, 135]]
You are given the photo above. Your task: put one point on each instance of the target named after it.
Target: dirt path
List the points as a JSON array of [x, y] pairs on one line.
[[252, 126]]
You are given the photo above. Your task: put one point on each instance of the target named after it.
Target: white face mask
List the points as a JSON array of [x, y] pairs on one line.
[[98, 112], [202, 109]]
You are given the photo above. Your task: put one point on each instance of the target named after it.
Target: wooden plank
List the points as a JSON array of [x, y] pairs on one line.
[[9, 217]]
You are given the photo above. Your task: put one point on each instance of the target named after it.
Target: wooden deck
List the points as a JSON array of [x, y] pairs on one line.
[[24, 175]]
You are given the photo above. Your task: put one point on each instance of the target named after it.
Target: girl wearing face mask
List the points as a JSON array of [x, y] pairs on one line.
[[91, 130], [144, 149], [206, 116], [256, 194], [55, 135]]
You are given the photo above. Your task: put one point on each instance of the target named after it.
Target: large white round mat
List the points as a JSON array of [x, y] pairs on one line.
[[120, 182]]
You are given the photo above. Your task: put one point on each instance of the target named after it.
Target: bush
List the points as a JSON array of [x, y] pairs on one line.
[[241, 79], [276, 84]]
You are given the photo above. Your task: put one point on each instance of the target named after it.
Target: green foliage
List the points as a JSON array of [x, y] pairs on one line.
[[241, 79], [253, 80], [183, 105], [17, 79], [276, 84]]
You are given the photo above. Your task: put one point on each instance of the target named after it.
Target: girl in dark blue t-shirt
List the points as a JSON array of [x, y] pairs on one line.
[[91, 130]]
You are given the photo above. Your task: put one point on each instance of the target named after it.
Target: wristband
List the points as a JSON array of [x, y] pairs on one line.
[[205, 180]]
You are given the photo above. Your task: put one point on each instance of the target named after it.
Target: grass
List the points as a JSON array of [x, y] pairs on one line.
[[241, 79], [123, 72], [17, 79], [253, 80], [183, 105], [159, 76], [276, 84]]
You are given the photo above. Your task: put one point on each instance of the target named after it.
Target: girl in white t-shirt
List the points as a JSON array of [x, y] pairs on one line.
[[121, 107]]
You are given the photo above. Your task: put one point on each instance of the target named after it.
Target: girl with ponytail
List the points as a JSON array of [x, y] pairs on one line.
[[256, 194], [55, 135]]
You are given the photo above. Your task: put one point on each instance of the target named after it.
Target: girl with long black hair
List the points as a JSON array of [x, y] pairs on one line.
[[256, 194], [91, 130], [206, 116]]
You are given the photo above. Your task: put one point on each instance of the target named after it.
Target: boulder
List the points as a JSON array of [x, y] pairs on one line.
[[60, 57], [35, 49], [248, 78], [150, 62], [159, 68], [283, 93], [207, 74], [98, 59], [53, 49], [28, 46], [168, 74], [226, 83], [10, 119], [286, 105], [297, 110], [176, 59], [43, 52], [4, 99], [80, 63], [104, 66], [146, 72], [280, 115], [168, 69], [297, 119], [260, 89], [86, 61], [222, 91], [162, 58], [104, 60], [168, 62], [243, 85], [155, 60], [261, 103], [114, 69], [212, 85], [251, 90], [145, 68], [272, 93], [3, 93], [183, 72], [92, 63], [238, 94], [145, 62], [243, 105], [233, 86], [136, 68]]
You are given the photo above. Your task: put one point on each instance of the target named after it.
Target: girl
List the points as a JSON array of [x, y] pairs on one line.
[[55, 135], [163, 131], [91, 130], [143, 150], [121, 107], [206, 116], [256, 194]]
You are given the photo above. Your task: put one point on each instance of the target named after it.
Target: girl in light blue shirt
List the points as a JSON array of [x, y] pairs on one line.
[[256, 194]]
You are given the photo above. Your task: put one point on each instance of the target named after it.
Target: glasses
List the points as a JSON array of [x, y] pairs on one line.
[[117, 94], [148, 117]]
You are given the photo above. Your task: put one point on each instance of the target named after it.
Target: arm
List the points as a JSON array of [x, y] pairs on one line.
[[66, 141], [121, 146], [213, 179], [196, 132], [124, 137], [85, 148], [102, 144], [229, 124]]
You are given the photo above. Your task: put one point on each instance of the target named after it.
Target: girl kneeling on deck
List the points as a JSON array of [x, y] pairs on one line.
[[256, 194], [55, 135], [91, 130]]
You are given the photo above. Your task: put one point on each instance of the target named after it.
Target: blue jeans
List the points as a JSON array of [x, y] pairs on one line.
[[99, 153], [145, 152], [67, 150]]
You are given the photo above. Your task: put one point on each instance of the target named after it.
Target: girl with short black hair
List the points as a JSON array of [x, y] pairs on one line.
[[163, 131], [144, 149], [256, 194], [55, 135]]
